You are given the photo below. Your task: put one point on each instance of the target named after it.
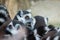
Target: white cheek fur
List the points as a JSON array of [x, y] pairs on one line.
[[13, 30], [45, 19], [18, 17], [33, 23], [56, 38]]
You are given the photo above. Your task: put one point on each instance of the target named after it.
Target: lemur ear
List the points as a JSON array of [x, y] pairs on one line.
[[29, 10], [47, 18]]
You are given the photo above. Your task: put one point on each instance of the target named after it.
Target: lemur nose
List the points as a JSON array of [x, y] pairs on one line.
[[29, 24]]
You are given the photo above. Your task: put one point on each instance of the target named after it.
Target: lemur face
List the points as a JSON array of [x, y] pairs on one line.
[[12, 30], [13, 27], [4, 15], [25, 17]]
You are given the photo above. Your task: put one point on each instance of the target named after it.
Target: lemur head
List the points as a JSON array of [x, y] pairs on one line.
[[25, 17], [13, 27]]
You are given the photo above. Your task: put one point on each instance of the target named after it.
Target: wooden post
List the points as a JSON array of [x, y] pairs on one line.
[[24, 4], [15, 5], [12, 7], [2, 1]]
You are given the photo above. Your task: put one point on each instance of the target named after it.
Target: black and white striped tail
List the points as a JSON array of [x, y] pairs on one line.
[[4, 15]]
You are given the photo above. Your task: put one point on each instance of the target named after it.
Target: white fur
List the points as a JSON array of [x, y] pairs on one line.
[[21, 13], [2, 20], [13, 30], [58, 30], [45, 19], [19, 18], [16, 26], [46, 22], [48, 38], [56, 38], [25, 37], [22, 19], [36, 35], [47, 29], [33, 22], [3, 12]]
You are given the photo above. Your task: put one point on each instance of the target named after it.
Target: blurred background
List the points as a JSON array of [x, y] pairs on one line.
[[46, 8]]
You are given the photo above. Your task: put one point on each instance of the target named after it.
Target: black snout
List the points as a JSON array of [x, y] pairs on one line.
[[29, 24], [7, 32]]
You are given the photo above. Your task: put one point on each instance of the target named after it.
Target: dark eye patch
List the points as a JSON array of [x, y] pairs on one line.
[[26, 17], [19, 13], [10, 26], [29, 23]]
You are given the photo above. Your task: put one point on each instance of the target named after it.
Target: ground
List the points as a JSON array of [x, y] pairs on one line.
[[50, 9]]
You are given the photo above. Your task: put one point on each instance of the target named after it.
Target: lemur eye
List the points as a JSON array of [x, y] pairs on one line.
[[10, 26], [26, 17], [17, 26]]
